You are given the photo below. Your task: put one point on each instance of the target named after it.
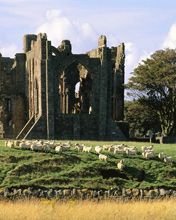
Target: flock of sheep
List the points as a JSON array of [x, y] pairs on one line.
[[52, 146]]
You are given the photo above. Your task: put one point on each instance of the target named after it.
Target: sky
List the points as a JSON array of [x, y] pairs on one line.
[[144, 26]]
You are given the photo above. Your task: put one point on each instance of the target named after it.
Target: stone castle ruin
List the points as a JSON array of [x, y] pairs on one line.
[[50, 93]]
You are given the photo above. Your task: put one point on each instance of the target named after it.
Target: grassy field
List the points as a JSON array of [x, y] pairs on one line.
[[87, 210], [72, 169]]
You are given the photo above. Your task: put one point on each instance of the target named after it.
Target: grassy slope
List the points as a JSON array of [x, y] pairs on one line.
[[84, 170]]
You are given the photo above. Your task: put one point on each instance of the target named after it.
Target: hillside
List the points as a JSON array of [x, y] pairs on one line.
[[72, 169]]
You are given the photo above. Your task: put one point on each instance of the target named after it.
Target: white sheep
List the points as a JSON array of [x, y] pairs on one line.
[[24, 146], [161, 156], [36, 147], [168, 159], [148, 154], [58, 148], [79, 147], [46, 147], [130, 151], [16, 143], [111, 149], [102, 157], [87, 149], [119, 150], [106, 147], [98, 149], [121, 165], [9, 144], [132, 148], [146, 148]]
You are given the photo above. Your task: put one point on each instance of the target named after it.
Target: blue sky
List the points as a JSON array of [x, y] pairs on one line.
[[144, 26]]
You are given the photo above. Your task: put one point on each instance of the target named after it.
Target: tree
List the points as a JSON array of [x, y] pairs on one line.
[[141, 119], [154, 85]]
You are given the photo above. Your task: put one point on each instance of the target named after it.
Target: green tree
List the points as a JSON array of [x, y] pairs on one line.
[[154, 85], [141, 119]]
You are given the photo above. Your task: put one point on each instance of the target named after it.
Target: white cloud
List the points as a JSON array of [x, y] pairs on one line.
[[130, 53], [59, 27], [9, 50], [132, 58], [170, 41]]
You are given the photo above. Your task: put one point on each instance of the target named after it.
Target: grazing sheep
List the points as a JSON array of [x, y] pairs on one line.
[[9, 144], [121, 165], [79, 147], [161, 156], [119, 150], [148, 154], [133, 148], [36, 147], [58, 148], [87, 149], [111, 149], [168, 159], [102, 157], [130, 151], [106, 147], [66, 146], [146, 148], [98, 149], [46, 148], [24, 146], [16, 143]]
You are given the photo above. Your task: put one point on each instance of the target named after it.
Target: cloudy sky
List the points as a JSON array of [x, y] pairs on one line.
[[144, 26]]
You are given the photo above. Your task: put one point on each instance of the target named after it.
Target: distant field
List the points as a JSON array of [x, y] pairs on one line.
[[87, 210], [72, 169]]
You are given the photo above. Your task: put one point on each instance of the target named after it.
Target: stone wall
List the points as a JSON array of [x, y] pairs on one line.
[[93, 194], [12, 94], [40, 83]]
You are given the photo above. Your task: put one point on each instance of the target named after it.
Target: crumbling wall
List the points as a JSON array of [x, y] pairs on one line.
[[49, 92], [12, 97]]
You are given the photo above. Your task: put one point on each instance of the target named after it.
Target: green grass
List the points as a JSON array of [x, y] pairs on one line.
[[72, 169]]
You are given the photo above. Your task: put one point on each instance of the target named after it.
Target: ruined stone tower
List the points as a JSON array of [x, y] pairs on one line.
[[50, 93]]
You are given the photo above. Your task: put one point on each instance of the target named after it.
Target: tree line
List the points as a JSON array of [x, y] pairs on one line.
[[152, 92]]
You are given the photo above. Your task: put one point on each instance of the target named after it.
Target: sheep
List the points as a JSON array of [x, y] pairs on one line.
[[51, 144], [130, 151], [36, 147], [106, 147], [119, 145], [16, 143], [148, 154], [145, 148], [79, 147], [168, 159], [58, 148], [46, 148], [102, 157], [132, 148], [24, 146], [9, 144], [161, 156], [66, 146], [98, 149], [111, 149], [121, 165], [87, 149], [119, 150]]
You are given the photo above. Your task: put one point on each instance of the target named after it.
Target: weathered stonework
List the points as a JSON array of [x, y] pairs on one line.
[[83, 194], [48, 92]]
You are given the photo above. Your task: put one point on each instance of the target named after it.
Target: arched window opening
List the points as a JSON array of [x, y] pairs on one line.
[[75, 87]]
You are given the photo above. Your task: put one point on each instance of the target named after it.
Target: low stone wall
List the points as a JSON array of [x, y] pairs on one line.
[[83, 194]]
